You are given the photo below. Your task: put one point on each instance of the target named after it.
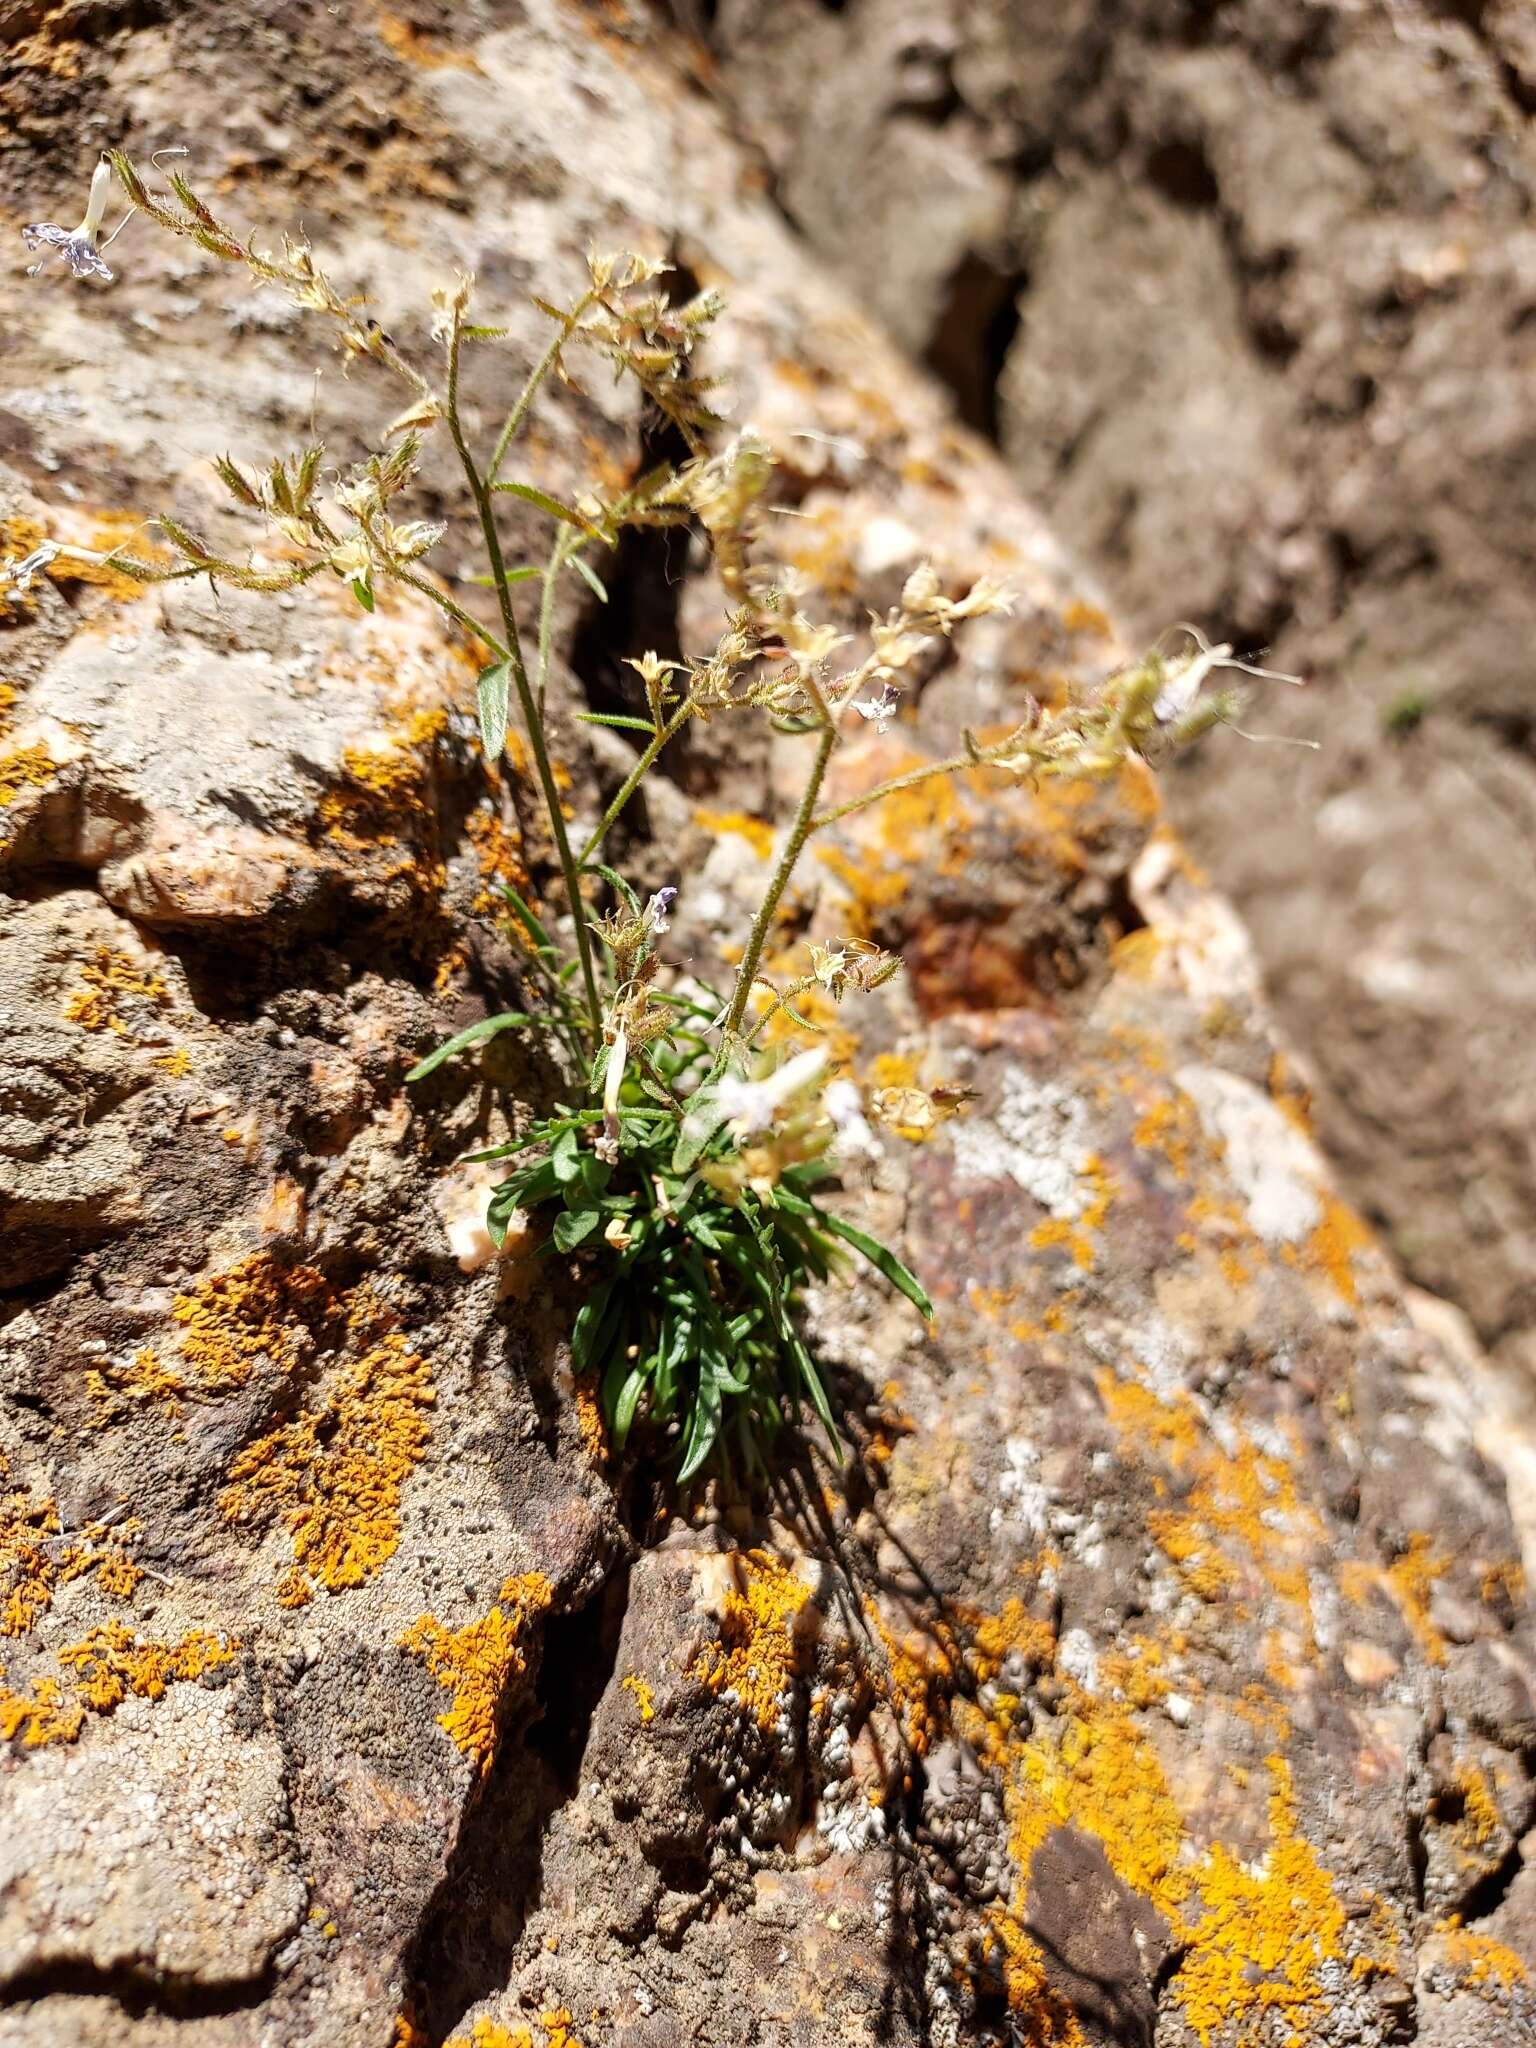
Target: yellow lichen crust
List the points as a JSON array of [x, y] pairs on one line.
[[31, 767], [554, 2032], [113, 982], [108, 1665], [36, 1557], [645, 1699], [334, 1475], [1479, 1962], [258, 1309], [1265, 1934], [757, 1654], [481, 1663], [1408, 1582]]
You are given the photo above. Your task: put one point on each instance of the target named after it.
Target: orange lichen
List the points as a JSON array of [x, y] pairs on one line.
[[31, 767], [1042, 2018], [645, 1699], [499, 852], [335, 1474], [1208, 1575], [1331, 1246], [1240, 1506], [414, 46], [258, 1309], [756, 831], [112, 1662], [480, 1663], [1290, 1096], [1073, 1232], [590, 1420], [111, 980], [28, 1568], [387, 785], [758, 1650], [555, 2027], [1481, 1963], [40, 1717], [142, 1380], [1264, 1935], [1408, 1581]]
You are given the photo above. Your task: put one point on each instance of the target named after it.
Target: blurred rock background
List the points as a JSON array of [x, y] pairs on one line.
[[1246, 293]]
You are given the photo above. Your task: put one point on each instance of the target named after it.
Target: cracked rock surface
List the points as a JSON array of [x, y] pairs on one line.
[[1155, 1668]]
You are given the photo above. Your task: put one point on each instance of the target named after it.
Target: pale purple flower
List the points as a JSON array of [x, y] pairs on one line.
[[76, 246], [880, 710], [658, 910]]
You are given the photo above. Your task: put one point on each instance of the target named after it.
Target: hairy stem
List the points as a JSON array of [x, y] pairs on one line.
[[536, 376], [533, 724], [800, 832], [635, 777], [907, 781]]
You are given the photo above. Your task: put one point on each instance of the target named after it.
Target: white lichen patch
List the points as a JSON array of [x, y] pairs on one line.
[[1272, 1166], [1024, 1502], [1038, 1138]]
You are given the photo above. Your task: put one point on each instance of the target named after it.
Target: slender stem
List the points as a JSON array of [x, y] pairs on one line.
[[800, 831], [908, 781], [632, 781], [454, 610], [532, 722], [536, 376], [559, 554]]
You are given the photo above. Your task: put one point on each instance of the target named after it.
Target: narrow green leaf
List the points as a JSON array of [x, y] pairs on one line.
[[620, 888], [523, 574], [883, 1261], [532, 495], [529, 921], [624, 1407], [362, 592], [589, 1321], [473, 1034], [590, 577], [614, 718], [703, 1428], [494, 687]]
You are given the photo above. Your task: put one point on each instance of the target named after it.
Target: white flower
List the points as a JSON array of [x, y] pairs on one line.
[[20, 574], [613, 1079], [76, 246], [751, 1105], [1185, 674], [658, 910], [879, 710], [844, 1104]]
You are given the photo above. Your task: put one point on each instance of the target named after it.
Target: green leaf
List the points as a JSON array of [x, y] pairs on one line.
[[590, 1318], [621, 888], [703, 1427], [626, 1404], [565, 1157], [474, 1034], [529, 922], [615, 719], [886, 1262], [523, 574], [574, 1226], [494, 686], [590, 577], [703, 1120], [505, 1200], [362, 592], [532, 495]]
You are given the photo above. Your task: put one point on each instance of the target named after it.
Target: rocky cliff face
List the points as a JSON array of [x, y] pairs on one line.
[[1245, 294], [1155, 1667]]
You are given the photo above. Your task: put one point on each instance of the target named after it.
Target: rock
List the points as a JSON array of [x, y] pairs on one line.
[[1162, 1632]]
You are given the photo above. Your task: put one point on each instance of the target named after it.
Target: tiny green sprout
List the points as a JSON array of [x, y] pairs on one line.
[[684, 1178], [1406, 713]]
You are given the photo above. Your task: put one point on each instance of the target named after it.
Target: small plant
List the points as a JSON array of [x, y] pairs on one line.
[[682, 1163]]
